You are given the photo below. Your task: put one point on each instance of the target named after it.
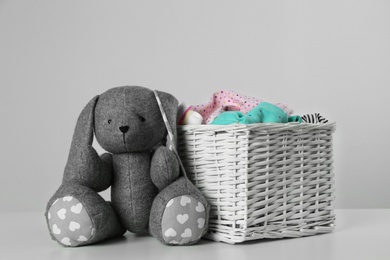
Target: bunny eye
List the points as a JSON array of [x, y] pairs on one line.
[[109, 121], [142, 119]]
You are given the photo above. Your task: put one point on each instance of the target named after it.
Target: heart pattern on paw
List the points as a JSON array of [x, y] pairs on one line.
[[187, 233], [66, 241], [73, 226], [61, 213], [183, 221], [77, 208], [201, 222], [67, 198], [82, 239], [69, 221], [184, 200], [170, 203], [170, 233], [182, 218], [56, 230], [200, 207]]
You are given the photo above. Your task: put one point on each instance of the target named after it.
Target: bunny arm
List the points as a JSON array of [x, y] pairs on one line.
[[87, 168], [164, 167]]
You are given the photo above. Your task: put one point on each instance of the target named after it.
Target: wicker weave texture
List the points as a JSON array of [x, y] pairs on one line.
[[262, 180]]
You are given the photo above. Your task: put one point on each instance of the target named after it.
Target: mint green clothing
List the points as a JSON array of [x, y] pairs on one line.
[[263, 113], [230, 117], [295, 119]]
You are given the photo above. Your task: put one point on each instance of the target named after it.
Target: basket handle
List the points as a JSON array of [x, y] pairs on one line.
[[172, 147]]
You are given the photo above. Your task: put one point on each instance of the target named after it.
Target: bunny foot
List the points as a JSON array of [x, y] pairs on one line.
[[78, 216], [183, 221], [179, 214], [69, 222]]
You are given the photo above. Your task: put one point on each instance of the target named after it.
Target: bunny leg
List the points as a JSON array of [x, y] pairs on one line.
[[179, 214], [77, 216], [164, 168]]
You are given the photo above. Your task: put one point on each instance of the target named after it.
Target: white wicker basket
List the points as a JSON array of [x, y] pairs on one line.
[[262, 180]]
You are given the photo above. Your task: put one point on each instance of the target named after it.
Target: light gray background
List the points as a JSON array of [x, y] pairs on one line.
[[326, 56]]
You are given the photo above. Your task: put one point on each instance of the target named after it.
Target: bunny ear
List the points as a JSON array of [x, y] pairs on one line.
[[83, 133], [169, 106]]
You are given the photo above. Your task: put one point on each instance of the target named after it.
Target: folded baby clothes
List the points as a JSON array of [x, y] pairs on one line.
[[264, 113], [232, 117], [226, 100], [187, 116]]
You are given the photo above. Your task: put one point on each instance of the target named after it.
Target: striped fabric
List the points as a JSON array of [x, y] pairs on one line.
[[314, 118], [170, 142]]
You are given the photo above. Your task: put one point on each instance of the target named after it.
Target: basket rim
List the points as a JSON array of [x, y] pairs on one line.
[[269, 127]]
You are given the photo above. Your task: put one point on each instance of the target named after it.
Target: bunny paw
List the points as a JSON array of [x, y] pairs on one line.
[[69, 222], [183, 221]]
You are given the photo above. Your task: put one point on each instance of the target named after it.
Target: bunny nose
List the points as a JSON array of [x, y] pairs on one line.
[[124, 128]]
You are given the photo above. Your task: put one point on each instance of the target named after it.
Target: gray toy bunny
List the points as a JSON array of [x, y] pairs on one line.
[[138, 128]]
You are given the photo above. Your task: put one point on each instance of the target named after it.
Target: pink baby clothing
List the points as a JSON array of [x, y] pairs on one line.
[[226, 100]]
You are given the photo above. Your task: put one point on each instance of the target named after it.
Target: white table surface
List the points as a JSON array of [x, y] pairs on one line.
[[360, 234]]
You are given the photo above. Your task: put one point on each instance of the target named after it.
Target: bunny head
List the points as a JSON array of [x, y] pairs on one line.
[[127, 119]]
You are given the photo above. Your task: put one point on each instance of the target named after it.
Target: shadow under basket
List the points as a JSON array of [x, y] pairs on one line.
[[262, 180]]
